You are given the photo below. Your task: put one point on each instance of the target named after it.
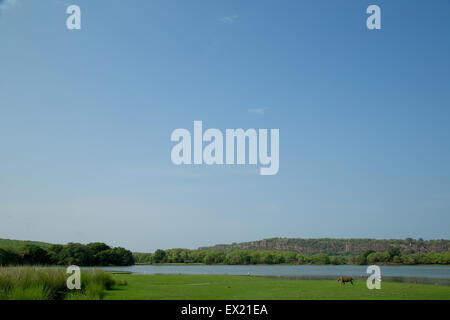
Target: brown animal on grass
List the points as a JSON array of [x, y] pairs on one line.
[[343, 280]]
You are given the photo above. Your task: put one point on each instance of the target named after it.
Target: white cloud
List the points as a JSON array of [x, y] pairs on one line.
[[228, 19]]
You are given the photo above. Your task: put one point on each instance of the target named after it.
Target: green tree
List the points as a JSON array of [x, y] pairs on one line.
[[233, 258], [9, 257], [303, 259], [321, 258], [337, 260], [115, 257], [35, 255], [159, 256], [97, 247], [378, 257], [214, 257], [393, 251], [77, 254], [362, 259], [268, 258]]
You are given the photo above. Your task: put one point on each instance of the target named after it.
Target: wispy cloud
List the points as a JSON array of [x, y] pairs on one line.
[[7, 3], [228, 19], [259, 111]]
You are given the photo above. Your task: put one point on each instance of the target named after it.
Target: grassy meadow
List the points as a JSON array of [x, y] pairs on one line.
[[18, 244], [50, 283], [181, 287]]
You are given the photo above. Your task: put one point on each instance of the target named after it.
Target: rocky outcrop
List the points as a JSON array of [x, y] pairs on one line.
[[337, 246]]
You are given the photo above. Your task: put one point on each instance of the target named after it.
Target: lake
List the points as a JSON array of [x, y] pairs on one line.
[[416, 274]]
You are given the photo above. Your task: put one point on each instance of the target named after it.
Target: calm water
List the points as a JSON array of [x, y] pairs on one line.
[[419, 274]]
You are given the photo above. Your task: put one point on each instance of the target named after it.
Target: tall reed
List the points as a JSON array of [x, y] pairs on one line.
[[50, 283]]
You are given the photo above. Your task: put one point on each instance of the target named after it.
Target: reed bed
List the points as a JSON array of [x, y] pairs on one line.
[[50, 283]]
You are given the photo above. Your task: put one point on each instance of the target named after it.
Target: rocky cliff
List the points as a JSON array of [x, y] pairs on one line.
[[336, 246]]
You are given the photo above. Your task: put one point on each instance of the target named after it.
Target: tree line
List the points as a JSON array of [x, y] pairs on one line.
[[395, 256], [336, 247], [249, 257], [92, 254]]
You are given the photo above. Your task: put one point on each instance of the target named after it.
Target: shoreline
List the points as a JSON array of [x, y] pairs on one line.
[[289, 264]]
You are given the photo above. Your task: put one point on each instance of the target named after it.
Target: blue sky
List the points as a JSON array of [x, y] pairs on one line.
[[86, 117]]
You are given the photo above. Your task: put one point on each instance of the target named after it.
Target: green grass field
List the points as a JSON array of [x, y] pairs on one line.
[[18, 244], [206, 287], [50, 283]]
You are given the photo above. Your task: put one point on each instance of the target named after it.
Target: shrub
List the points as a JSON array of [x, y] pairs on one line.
[[9, 257], [159, 256], [35, 255], [321, 258]]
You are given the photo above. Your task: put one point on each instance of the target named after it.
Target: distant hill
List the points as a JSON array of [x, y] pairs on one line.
[[17, 244], [336, 246]]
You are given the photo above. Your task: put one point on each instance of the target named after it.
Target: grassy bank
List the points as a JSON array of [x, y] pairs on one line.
[[50, 283], [37, 283], [244, 287]]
